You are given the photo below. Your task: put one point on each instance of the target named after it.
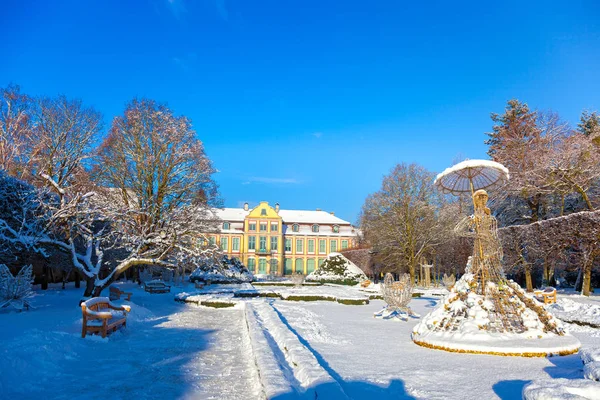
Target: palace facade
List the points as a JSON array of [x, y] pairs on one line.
[[270, 240]]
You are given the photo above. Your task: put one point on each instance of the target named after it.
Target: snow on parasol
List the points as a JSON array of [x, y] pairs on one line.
[[471, 175]]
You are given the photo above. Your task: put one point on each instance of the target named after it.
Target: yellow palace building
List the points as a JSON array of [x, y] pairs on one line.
[[270, 240]]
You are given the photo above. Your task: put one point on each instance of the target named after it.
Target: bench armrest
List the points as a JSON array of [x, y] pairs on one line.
[[119, 308]]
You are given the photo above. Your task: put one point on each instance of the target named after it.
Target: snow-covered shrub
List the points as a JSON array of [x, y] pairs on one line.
[[337, 269], [14, 290], [226, 270]]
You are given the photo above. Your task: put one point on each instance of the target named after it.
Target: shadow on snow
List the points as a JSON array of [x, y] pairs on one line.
[[357, 390]]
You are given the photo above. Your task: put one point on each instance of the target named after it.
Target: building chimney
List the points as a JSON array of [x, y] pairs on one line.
[[276, 207], [318, 209], [245, 206], [332, 213]]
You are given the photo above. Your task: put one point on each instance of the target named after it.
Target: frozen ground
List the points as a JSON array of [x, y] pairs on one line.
[[260, 348]]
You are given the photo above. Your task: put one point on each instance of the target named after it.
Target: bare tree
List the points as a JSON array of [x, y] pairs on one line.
[[402, 219], [577, 234], [154, 166], [15, 130], [155, 161], [574, 167], [64, 133], [151, 204]]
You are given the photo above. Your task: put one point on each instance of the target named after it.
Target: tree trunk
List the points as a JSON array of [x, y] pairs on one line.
[[89, 287], [585, 197], [45, 277], [579, 281], [411, 270], [98, 289], [77, 280], [587, 277], [528, 282], [534, 207]]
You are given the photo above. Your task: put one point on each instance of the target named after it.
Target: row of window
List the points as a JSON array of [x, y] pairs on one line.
[[310, 244], [275, 227], [315, 228], [262, 244], [224, 243], [263, 226], [290, 265]]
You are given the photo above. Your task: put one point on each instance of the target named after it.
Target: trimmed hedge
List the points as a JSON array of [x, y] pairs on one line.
[[256, 294]]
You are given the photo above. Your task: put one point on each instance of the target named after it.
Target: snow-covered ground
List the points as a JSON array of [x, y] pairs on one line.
[[577, 309], [262, 347], [168, 350]]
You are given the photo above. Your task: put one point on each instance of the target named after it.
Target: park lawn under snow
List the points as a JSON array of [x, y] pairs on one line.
[[168, 350], [262, 346]]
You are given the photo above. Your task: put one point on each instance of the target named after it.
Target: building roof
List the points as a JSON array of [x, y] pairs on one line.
[[231, 214], [288, 216], [310, 217]]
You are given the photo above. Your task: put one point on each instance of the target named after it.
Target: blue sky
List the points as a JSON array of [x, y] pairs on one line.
[[310, 103]]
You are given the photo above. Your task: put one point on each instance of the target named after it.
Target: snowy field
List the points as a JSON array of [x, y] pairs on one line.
[[261, 347]]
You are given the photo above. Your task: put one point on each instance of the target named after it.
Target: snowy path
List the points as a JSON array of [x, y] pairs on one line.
[[175, 351], [299, 369]]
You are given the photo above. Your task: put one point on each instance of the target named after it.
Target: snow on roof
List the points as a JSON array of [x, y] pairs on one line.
[[288, 216], [231, 214], [305, 216]]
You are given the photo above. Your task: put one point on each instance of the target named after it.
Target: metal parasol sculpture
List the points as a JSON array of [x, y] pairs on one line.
[[484, 313], [471, 175], [474, 176]]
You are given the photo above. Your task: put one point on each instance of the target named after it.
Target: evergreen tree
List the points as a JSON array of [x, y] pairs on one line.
[[589, 125], [518, 123]]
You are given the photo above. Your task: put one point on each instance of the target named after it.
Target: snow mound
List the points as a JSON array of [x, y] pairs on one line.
[[576, 312], [554, 389], [227, 270], [337, 269], [591, 359], [504, 321], [590, 355]]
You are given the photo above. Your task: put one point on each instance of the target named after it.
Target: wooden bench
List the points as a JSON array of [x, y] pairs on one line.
[[116, 293], [548, 295], [156, 287], [102, 316]]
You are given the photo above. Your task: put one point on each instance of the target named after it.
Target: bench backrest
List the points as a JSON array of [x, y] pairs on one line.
[[95, 304]]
